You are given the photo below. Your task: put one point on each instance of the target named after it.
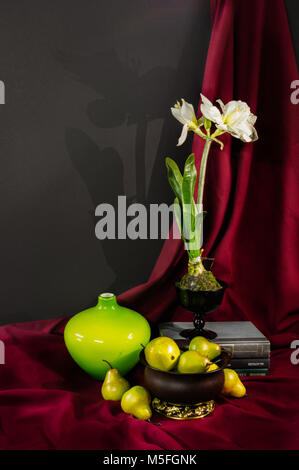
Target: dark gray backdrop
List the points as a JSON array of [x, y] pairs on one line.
[[89, 85]]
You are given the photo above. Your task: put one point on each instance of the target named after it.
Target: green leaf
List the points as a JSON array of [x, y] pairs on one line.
[[193, 248], [178, 215], [189, 222], [174, 177], [189, 179]]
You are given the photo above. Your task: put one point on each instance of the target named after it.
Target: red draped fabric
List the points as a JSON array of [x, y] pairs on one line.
[[252, 230], [251, 191]]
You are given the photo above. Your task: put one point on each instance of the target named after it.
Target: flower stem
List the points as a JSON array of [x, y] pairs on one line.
[[202, 172]]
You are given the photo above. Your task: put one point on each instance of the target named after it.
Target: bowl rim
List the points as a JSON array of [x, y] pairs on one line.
[[223, 356]]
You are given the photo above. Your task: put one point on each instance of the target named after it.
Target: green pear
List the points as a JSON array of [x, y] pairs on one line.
[[162, 353], [136, 402], [205, 347], [114, 385], [191, 362]]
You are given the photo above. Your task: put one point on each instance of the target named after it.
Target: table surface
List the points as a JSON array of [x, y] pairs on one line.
[[48, 402]]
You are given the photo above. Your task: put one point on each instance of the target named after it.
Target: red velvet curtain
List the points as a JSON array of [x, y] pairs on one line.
[[252, 190]]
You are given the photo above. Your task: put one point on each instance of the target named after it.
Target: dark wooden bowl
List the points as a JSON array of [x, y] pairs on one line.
[[185, 389]]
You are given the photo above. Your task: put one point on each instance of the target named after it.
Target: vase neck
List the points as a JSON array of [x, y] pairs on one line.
[[106, 300]]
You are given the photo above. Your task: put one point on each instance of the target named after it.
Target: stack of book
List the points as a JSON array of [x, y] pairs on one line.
[[249, 348]]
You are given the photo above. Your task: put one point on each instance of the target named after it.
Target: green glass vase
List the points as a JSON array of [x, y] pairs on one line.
[[107, 332]]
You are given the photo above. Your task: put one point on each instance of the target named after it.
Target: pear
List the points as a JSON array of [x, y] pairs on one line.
[[205, 347], [162, 353], [212, 367], [136, 402], [232, 384], [238, 390], [230, 380], [114, 385], [191, 362]]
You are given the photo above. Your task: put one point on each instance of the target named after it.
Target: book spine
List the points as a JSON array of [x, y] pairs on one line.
[[251, 372], [247, 349], [249, 363]]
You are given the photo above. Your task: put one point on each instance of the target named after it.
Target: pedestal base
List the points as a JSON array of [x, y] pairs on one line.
[[191, 333], [183, 412]]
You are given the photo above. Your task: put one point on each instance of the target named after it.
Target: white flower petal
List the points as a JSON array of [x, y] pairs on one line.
[[176, 112], [254, 136], [249, 136], [245, 138], [222, 106], [236, 118], [233, 105], [246, 132], [183, 136], [211, 112], [187, 111], [205, 100], [222, 126], [252, 118]]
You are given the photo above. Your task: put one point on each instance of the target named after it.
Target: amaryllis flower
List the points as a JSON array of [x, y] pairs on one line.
[[236, 118], [185, 114]]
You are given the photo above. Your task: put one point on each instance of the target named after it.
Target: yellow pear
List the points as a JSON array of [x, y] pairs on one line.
[[230, 380], [114, 385], [162, 353], [191, 362], [232, 384], [136, 402], [205, 347], [238, 390]]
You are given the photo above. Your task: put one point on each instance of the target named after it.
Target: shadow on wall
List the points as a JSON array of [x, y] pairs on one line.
[[94, 165], [137, 99]]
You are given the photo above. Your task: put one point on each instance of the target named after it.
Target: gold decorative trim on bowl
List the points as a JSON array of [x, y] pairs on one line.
[[183, 412]]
